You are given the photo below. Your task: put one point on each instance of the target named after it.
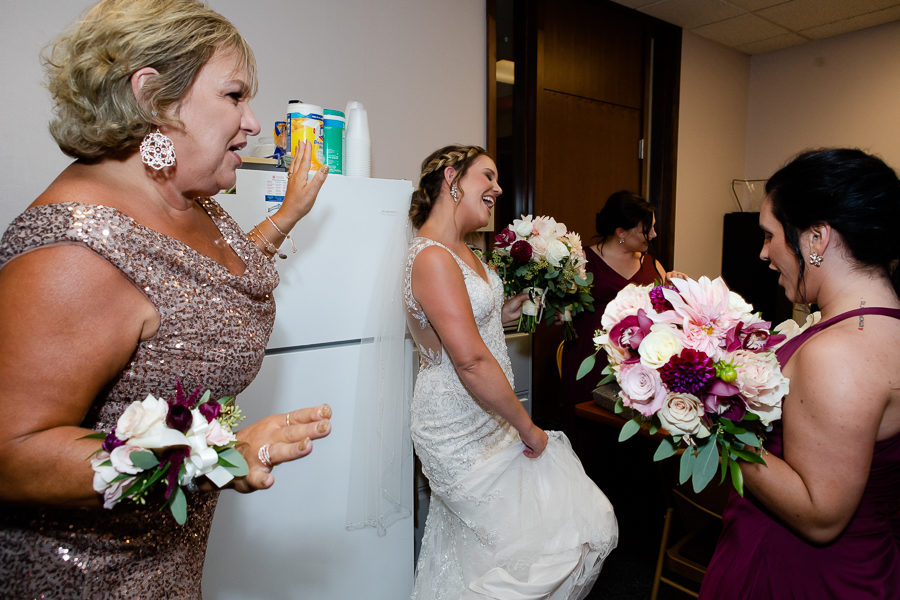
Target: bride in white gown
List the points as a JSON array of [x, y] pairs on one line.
[[512, 513]]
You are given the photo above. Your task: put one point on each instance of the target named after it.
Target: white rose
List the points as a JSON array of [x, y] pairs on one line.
[[103, 474], [658, 346], [523, 227], [556, 252], [139, 417], [761, 383], [680, 414], [112, 495], [120, 458]]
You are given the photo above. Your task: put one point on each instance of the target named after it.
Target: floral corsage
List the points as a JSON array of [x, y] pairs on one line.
[[169, 443]]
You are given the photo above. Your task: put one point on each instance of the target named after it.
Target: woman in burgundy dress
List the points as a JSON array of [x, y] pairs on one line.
[[822, 518], [625, 226]]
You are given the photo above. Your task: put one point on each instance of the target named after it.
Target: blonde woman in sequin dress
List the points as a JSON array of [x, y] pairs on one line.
[[512, 514], [120, 279]]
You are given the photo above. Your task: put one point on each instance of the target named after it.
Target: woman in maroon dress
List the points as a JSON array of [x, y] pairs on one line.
[[821, 519], [625, 227]]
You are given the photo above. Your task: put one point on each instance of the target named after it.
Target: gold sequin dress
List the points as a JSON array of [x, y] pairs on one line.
[[214, 327]]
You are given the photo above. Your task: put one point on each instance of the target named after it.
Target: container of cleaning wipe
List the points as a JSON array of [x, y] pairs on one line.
[[305, 124], [333, 136]]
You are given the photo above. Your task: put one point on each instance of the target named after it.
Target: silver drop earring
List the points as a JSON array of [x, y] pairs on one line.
[[815, 259], [454, 191], [157, 151]]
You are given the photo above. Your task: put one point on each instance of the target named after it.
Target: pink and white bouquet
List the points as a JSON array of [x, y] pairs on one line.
[[170, 443], [694, 362], [540, 256]]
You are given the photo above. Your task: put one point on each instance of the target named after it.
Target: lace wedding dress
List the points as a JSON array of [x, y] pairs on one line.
[[500, 525]]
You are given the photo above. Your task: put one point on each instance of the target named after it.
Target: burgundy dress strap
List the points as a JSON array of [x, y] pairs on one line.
[[787, 349]]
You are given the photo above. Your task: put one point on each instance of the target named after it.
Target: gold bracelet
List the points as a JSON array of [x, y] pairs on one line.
[[283, 234], [269, 246]]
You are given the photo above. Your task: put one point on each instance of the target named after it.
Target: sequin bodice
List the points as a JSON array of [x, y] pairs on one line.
[[450, 429], [214, 326]]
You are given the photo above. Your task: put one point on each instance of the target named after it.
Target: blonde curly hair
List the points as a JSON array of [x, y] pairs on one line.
[[432, 177], [89, 69]]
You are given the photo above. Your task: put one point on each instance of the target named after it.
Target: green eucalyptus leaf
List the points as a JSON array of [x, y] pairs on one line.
[[580, 280], [608, 378], [749, 456], [204, 398], [686, 465], [749, 438], [707, 464], [97, 435], [178, 506], [665, 450], [144, 460], [629, 429], [737, 478], [586, 365], [234, 462], [653, 428]]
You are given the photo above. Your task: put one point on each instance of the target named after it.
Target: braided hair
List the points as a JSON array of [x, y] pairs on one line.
[[432, 177]]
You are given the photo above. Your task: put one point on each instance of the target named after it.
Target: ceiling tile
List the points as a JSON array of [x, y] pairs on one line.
[[740, 30], [879, 17], [692, 13], [636, 3], [770, 45], [752, 5], [798, 15]]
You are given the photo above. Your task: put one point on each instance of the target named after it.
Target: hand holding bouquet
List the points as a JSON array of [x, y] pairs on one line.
[[540, 256], [693, 361], [171, 443]]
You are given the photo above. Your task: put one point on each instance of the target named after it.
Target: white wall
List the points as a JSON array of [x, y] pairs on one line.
[[712, 131], [841, 91], [744, 117], [417, 65]]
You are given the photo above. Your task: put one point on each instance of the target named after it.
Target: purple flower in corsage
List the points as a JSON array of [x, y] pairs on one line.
[[688, 372], [111, 442], [210, 410]]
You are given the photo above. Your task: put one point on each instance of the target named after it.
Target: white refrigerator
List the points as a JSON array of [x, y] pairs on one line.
[[291, 541]]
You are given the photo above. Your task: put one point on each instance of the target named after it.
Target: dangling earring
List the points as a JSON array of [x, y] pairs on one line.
[[454, 191], [621, 240], [815, 259], [157, 151]]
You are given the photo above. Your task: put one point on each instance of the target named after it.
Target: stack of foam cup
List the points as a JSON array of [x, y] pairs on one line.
[[357, 146]]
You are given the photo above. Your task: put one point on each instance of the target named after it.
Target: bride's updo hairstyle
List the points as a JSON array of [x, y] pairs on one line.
[[432, 177], [854, 192]]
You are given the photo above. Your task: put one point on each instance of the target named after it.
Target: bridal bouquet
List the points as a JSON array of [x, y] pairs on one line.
[[694, 362], [538, 255], [170, 443]]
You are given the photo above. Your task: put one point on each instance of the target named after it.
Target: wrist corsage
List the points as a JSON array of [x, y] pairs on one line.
[[168, 442]]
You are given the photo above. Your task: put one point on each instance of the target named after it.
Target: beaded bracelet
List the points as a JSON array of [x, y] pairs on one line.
[[269, 246], [283, 234]]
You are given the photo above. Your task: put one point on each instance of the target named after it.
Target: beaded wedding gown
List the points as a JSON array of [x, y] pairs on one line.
[[500, 525]]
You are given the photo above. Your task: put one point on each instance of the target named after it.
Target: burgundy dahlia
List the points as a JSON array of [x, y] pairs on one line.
[[521, 251], [659, 302], [689, 372]]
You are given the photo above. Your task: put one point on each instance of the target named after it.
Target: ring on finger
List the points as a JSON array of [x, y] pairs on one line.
[[287, 419], [264, 457]]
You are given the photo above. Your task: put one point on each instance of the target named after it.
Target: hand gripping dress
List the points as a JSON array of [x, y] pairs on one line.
[[500, 525], [214, 327], [759, 558]]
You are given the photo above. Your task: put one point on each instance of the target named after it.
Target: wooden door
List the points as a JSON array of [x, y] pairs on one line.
[[589, 121]]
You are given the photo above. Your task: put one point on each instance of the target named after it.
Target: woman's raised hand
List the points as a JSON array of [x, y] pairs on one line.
[[301, 192], [278, 439]]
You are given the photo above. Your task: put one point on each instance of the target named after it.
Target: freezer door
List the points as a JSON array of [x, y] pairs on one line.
[[290, 541]]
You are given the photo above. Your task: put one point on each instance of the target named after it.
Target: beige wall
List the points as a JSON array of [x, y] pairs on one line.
[[417, 65], [712, 131], [842, 91]]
